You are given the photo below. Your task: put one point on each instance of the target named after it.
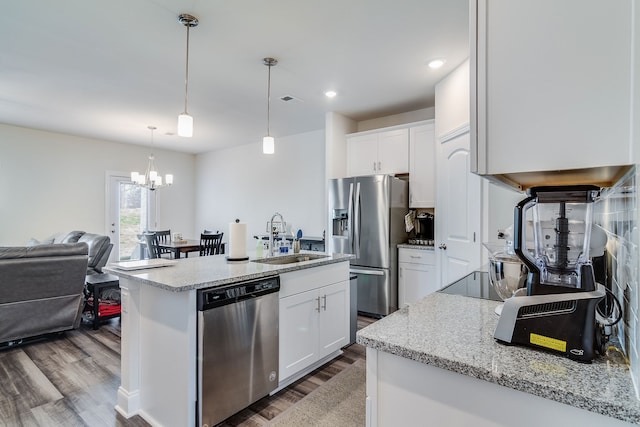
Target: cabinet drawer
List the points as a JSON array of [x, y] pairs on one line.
[[416, 256], [295, 282]]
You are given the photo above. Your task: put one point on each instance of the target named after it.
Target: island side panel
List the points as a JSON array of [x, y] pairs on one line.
[[158, 354], [401, 391], [128, 399]]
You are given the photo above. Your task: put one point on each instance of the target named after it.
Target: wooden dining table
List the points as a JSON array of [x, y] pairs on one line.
[[181, 247], [184, 247]]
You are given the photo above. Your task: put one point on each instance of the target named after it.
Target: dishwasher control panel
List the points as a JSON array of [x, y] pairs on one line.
[[216, 297]]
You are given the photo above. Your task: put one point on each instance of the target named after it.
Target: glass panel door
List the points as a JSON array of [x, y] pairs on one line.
[[131, 211]]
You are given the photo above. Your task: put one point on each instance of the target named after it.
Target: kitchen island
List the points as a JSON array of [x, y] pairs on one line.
[[436, 363], [159, 327]]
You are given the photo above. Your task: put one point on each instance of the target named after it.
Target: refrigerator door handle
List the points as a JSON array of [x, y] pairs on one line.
[[356, 221], [350, 217]]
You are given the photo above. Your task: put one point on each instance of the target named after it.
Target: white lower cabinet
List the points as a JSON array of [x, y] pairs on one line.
[[416, 275], [313, 322]]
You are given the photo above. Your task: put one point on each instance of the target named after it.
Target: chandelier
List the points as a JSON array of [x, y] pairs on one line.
[[151, 178]]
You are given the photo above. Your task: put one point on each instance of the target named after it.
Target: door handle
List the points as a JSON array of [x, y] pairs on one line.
[[357, 224], [324, 301], [443, 247], [379, 166], [318, 307]]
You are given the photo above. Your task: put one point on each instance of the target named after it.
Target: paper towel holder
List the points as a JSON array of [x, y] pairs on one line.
[[236, 259]]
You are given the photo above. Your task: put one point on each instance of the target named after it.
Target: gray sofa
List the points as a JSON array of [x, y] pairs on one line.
[[99, 247], [41, 289]]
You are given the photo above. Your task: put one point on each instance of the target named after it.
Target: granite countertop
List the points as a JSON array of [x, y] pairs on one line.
[[455, 332], [411, 246], [210, 271]]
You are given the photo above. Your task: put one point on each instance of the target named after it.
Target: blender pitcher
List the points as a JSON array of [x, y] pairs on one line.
[[555, 246]]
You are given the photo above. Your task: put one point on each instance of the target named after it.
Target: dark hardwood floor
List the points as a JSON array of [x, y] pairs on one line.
[[72, 380]]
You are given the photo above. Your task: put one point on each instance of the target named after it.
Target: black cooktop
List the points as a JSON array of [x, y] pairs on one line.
[[474, 285]]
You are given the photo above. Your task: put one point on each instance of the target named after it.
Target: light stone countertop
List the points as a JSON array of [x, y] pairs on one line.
[[455, 332], [210, 271]]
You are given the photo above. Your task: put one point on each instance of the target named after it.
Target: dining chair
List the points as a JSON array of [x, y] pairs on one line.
[[164, 237], [210, 243], [151, 239]]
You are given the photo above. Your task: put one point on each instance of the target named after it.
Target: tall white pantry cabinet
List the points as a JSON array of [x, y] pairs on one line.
[[552, 88]]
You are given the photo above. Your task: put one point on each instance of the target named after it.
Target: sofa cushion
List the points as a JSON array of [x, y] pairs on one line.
[[73, 237]]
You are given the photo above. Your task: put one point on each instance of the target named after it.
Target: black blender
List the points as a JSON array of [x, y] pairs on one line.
[[552, 230]]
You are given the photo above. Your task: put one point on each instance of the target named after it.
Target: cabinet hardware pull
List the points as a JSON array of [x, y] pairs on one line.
[[443, 246], [379, 166], [324, 300], [318, 307], [415, 256], [374, 166]]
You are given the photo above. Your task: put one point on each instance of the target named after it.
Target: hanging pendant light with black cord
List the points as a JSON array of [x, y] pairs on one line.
[[185, 121], [268, 143]]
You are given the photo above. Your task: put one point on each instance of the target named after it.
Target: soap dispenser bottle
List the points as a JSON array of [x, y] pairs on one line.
[[259, 248]]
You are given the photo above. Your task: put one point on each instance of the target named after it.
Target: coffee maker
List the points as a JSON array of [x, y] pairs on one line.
[[552, 230], [424, 229]]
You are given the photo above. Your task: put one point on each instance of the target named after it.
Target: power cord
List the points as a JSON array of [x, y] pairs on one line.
[[610, 308]]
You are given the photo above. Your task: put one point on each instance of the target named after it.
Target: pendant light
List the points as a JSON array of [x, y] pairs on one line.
[[151, 179], [268, 143], [185, 121]]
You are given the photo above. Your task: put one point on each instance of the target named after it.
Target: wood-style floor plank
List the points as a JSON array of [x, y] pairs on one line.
[[71, 379]]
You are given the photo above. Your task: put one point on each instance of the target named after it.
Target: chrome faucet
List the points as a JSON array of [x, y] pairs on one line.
[[271, 251]]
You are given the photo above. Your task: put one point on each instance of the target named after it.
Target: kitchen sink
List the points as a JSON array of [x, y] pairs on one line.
[[289, 259]]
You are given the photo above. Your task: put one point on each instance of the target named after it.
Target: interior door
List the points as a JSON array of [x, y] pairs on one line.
[[130, 211], [458, 216]]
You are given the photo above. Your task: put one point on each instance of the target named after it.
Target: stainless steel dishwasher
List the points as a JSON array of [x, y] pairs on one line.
[[237, 347]]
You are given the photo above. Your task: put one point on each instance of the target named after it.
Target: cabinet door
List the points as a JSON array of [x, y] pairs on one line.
[[298, 332], [362, 154], [334, 317], [422, 167], [553, 86], [393, 151], [415, 281], [416, 275]]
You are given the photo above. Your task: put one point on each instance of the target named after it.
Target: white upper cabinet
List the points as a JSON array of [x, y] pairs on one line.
[[551, 89], [422, 166], [378, 152]]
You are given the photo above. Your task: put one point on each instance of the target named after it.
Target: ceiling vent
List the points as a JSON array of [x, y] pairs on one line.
[[288, 98]]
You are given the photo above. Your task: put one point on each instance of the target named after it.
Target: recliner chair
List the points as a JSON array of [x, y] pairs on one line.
[[99, 251]]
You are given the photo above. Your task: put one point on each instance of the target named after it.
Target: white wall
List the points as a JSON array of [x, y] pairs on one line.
[[241, 182], [337, 127], [397, 119], [51, 182], [455, 83]]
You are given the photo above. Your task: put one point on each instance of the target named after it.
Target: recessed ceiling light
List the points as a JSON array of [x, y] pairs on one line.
[[436, 63], [330, 93]]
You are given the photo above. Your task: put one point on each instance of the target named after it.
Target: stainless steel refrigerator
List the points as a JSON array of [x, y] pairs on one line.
[[366, 219]]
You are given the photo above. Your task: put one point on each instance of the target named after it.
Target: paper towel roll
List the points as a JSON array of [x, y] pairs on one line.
[[237, 240]]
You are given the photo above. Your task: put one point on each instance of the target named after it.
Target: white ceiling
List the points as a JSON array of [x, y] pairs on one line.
[[108, 69]]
